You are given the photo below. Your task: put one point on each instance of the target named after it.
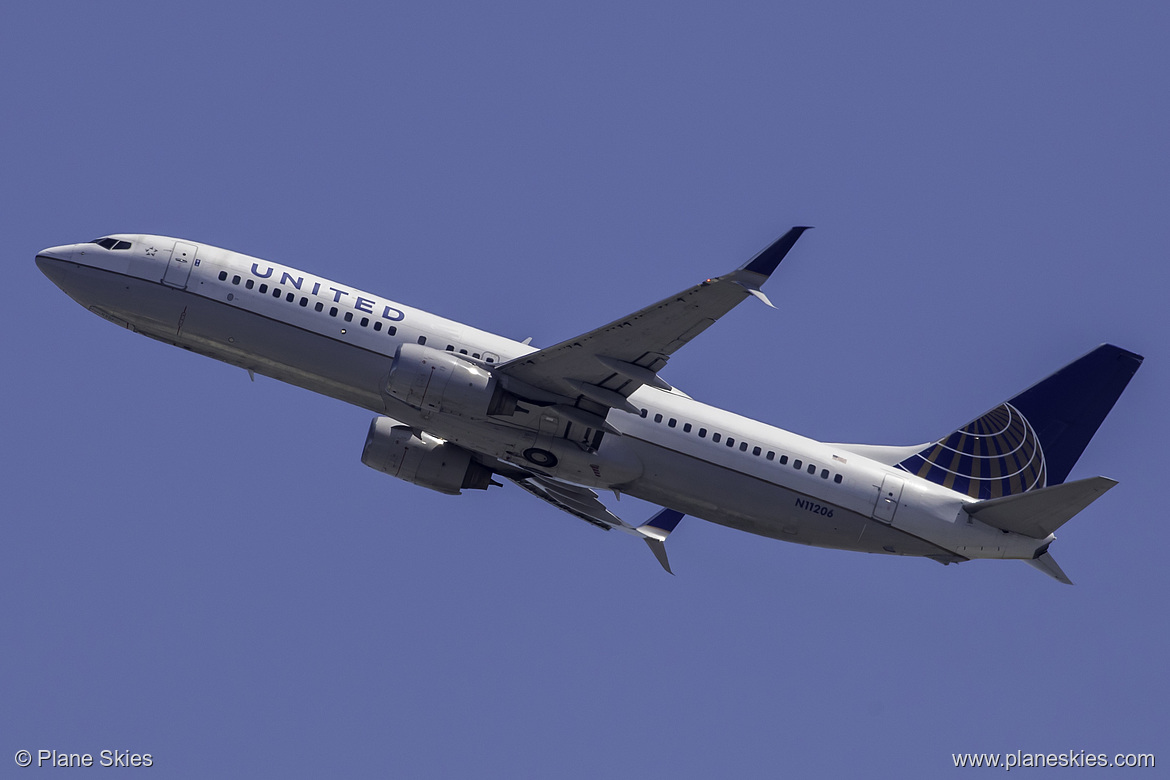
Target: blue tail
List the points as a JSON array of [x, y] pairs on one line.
[[1034, 439]]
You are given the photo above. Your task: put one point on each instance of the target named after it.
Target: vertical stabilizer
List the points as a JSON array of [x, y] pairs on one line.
[[1033, 440], [1067, 408]]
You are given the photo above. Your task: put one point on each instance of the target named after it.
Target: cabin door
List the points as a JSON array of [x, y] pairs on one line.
[[888, 498], [179, 268]]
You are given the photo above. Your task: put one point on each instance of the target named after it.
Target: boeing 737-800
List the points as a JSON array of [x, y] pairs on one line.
[[457, 407]]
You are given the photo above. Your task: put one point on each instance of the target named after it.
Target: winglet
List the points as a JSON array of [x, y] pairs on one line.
[[766, 261], [654, 532], [757, 292]]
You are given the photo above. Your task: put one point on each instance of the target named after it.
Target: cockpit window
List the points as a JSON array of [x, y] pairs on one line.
[[111, 243]]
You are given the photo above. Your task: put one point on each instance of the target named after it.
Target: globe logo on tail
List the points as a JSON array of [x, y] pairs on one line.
[[995, 455]]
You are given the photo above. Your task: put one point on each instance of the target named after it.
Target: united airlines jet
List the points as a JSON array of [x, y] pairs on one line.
[[458, 407]]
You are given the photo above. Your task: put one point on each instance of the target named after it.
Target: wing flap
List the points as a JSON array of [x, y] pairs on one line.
[[580, 502]]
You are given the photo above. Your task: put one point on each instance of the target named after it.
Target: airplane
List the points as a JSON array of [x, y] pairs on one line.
[[457, 407]]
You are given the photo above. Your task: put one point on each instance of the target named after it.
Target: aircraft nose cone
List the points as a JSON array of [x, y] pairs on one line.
[[52, 262], [64, 252]]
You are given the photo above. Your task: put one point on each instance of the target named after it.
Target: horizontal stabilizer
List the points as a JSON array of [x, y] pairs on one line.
[[1045, 564], [1039, 513]]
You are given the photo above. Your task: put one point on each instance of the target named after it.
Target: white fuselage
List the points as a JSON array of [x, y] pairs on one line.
[[677, 452]]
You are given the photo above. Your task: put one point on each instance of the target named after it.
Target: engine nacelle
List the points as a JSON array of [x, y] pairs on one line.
[[422, 459], [435, 381]]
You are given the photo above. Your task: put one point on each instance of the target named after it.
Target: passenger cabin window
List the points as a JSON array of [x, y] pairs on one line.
[[702, 433], [771, 455], [422, 339], [796, 464], [686, 427], [223, 276], [837, 479], [671, 422], [236, 279], [658, 418], [715, 437], [252, 283], [349, 316], [783, 460]]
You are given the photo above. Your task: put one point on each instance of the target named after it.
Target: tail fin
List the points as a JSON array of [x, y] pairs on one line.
[[1034, 439]]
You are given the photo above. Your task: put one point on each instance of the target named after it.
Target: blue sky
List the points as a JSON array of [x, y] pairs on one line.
[[200, 568]]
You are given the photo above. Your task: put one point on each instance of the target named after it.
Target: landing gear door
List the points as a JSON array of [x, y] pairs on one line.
[[180, 265], [888, 498]]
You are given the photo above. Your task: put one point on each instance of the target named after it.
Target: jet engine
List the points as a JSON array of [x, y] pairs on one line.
[[422, 459], [435, 381]]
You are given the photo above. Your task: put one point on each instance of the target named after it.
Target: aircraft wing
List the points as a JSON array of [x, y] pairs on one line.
[[583, 503], [576, 500], [606, 365]]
